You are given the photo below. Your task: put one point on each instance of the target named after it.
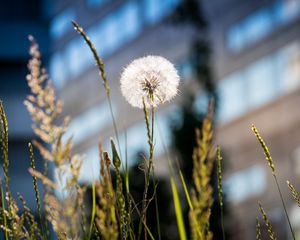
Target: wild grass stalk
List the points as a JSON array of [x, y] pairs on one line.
[[36, 191], [4, 145], [122, 211], [267, 222], [220, 189], [294, 193], [102, 74], [272, 166], [201, 194], [258, 234]]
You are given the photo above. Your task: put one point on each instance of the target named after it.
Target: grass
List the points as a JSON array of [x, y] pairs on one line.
[[113, 207]]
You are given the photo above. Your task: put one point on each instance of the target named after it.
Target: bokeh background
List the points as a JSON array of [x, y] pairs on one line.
[[243, 53]]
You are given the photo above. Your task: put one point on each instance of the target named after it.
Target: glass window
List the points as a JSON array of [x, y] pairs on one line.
[[155, 10], [62, 23], [57, 70], [77, 57], [90, 169], [233, 101], [236, 38], [96, 3], [110, 27], [257, 25], [261, 23], [286, 11], [245, 184], [290, 60], [89, 123], [129, 22], [262, 84]]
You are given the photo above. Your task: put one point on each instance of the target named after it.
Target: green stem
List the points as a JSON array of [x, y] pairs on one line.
[[93, 209], [284, 207], [150, 133]]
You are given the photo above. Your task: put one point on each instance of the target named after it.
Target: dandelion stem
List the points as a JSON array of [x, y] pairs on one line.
[[150, 135]]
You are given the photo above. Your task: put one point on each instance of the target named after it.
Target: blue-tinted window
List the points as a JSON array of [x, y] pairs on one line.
[[62, 23], [233, 100], [286, 11], [129, 21], [245, 184], [257, 25], [289, 58], [57, 70], [89, 123], [110, 30], [236, 38], [155, 10], [96, 3], [261, 23], [262, 83]]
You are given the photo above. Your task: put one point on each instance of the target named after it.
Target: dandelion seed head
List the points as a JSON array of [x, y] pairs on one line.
[[152, 78]]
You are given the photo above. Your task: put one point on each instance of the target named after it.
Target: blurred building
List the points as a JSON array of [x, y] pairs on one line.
[[257, 62], [18, 19], [256, 58]]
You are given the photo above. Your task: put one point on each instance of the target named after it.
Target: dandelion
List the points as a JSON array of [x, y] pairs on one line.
[[152, 79]]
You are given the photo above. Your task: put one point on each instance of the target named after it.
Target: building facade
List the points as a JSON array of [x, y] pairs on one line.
[[257, 62], [256, 58]]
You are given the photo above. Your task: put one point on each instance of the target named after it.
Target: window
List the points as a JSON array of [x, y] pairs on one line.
[[245, 184], [257, 26], [290, 60], [155, 10], [96, 3], [232, 97], [286, 11], [129, 21], [261, 23], [90, 169], [57, 70], [262, 83], [62, 23], [236, 38], [89, 123]]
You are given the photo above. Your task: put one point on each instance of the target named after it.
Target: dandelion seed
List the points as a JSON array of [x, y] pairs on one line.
[[152, 78]]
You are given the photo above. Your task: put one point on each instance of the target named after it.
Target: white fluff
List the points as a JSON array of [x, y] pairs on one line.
[[149, 77]]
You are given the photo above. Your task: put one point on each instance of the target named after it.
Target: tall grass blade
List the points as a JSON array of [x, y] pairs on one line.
[[93, 209], [178, 211], [267, 222]]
